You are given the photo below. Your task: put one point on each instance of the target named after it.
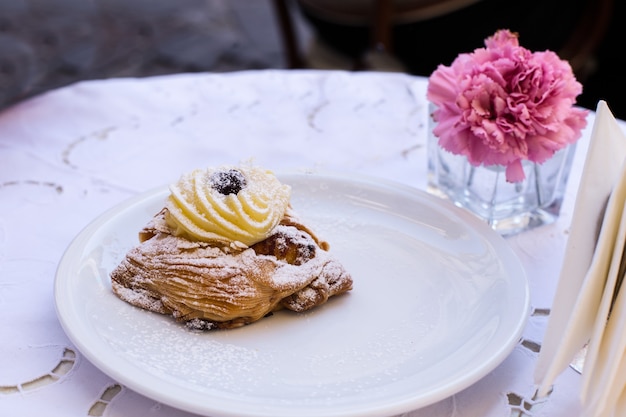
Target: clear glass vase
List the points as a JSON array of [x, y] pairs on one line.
[[509, 208]]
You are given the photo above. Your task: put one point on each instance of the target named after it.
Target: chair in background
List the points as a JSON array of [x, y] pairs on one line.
[[576, 38]]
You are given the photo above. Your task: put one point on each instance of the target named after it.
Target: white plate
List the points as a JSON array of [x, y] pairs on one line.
[[439, 300]]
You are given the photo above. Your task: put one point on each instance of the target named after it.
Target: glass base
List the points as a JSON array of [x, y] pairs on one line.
[[509, 208]]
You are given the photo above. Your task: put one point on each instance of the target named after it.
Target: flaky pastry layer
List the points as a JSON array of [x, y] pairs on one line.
[[211, 287]]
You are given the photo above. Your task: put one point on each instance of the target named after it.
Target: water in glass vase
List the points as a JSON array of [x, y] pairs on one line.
[[509, 208]]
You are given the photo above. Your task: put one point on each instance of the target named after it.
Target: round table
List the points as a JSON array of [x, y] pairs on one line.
[[68, 155]]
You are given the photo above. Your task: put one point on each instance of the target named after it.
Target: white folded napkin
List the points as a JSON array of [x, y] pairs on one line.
[[588, 286]]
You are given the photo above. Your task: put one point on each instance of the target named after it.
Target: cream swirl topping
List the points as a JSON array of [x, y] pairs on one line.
[[236, 206]]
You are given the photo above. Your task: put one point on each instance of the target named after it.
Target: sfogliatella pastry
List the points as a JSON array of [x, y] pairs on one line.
[[226, 250]]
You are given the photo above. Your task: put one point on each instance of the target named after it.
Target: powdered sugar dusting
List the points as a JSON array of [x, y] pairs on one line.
[[212, 287], [170, 351], [139, 298]]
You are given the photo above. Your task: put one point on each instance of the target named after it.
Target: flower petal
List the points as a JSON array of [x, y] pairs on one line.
[[514, 172]]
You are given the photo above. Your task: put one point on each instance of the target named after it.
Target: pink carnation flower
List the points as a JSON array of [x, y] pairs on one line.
[[503, 104]]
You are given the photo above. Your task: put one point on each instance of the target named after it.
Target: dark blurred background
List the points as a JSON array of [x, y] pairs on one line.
[[46, 44]]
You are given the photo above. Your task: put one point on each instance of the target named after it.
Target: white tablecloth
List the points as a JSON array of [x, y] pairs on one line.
[[69, 155]]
